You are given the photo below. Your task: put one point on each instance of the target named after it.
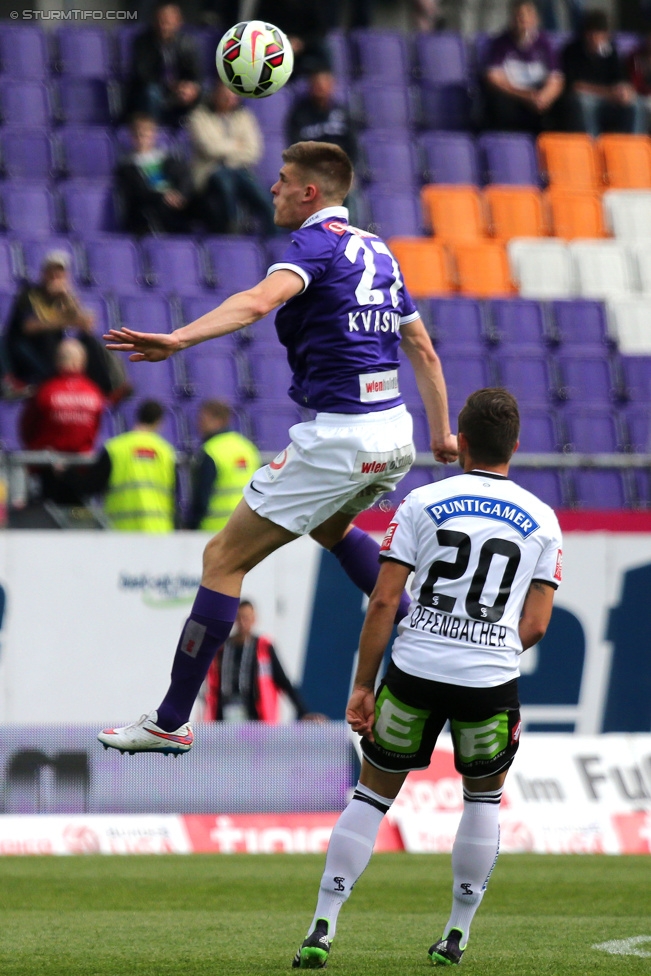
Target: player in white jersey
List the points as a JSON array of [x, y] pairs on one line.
[[486, 557]]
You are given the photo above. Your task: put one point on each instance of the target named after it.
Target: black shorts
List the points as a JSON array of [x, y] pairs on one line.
[[410, 713]]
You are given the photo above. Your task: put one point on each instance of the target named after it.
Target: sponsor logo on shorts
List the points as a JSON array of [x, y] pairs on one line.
[[388, 539], [278, 464], [379, 386], [369, 465], [558, 572], [482, 507], [481, 740]]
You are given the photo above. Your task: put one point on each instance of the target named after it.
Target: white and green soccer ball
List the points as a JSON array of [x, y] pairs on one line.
[[254, 59]]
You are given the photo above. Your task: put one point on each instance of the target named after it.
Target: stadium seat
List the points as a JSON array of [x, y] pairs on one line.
[[446, 107], [425, 265], [149, 380], [482, 268], [84, 101], [547, 485], [541, 268], [394, 213], [509, 158], [271, 113], [628, 213], [114, 265], [603, 269], [10, 412], [407, 382], [629, 321], [28, 208], [515, 211], [581, 325], [24, 99], [585, 377], [442, 58], [626, 160], [387, 160], [538, 430], [569, 159], [416, 478], [383, 106], [517, 322], [146, 313], [454, 213], [339, 47], [35, 251], [466, 371], [236, 263], [269, 426], [600, 489], [88, 152], [457, 321], [640, 252], [591, 430], [575, 213], [84, 52], [637, 418], [194, 307], [23, 51], [89, 207], [211, 377], [528, 374], [381, 55], [27, 154], [449, 157], [126, 35], [103, 310], [174, 264], [7, 268], [270, 372], [268, 167]]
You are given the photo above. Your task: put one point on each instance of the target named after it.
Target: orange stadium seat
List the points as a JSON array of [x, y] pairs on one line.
[[570, 160], [454, 213], [425, 265], [515, 211], [575, 213], [482, 268], [626, 161]]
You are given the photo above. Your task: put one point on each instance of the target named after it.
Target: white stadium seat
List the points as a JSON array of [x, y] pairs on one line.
[[541, 268], [629, 323], [627, 213], [641, 253], [603, 269]]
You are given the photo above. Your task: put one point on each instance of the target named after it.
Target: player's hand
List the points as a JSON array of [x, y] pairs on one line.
[[360, 712], [144, 346], [445, 449]]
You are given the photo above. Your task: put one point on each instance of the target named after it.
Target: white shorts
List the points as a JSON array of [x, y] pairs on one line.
[[335, 463]]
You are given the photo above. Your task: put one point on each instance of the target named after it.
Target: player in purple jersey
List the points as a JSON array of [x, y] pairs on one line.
[[345, 312]]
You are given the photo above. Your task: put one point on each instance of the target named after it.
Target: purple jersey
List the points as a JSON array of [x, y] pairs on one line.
[[342, 331]]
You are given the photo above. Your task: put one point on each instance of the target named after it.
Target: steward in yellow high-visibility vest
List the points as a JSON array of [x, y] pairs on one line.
[[141, 489], [226, 463]]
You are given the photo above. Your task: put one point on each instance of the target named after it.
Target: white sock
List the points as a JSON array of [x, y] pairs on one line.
[[474, 854], [349, 851]]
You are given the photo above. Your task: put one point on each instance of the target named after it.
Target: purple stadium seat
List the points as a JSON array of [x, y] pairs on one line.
[[27, 154], [6, 303], [24, 99], [84, 101], [174, 264], [384, 106], [442, 58], [275, 248], [581, 325], [152, 380], [388, 160], [236, 262], [10, 412], [108, 427], [89, 207], [457, 321], [7, 267], [126, 35], [394, 213], [600, 489], [272, 112], [270, 372], [446, 107], [146, 313], [638, 428], [88, 152], [538, 431], [626, 42], [340, 55], [465, 373], [509, 158], [450, 157], [421, 428], [381, 55], [23, 51], [591, 431], [270, 423], [211, 377], [415, 478], [28, 208], [34, 252], [547, 485], [637, 378], [84, 52], [269, 166], [193, 308], [172, 428], [527, 375], [585, 378], [407, 382], [518, 321], [114, 265], [102, 308], [262, 332]]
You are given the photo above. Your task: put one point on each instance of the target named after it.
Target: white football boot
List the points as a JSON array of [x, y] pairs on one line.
[[145, 736]]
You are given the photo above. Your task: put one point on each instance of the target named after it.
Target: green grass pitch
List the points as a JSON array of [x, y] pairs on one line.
[[241, 915]]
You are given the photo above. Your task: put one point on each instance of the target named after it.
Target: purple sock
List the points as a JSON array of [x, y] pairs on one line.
[[205, 630], [358, 555]]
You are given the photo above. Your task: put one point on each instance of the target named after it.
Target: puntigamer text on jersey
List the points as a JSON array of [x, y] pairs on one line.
[[484, 508]]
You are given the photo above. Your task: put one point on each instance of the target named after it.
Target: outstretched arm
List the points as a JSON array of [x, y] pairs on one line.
[[418, 348], [235, 313]]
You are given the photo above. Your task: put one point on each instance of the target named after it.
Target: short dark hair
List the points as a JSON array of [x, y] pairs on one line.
[[136, 117], [216, 409], [327, 163], [246, 603], [490, 422], [516, 4], [149, 412], [594, 20]]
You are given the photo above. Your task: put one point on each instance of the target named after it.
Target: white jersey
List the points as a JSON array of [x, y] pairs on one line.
[[475, 543]]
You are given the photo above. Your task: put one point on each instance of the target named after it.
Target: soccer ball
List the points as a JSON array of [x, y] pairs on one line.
[[254, 59]]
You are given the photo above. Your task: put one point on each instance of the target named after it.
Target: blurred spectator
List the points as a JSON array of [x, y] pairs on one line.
[[225, 464], [425, 14], [320, 117], [523, 80], [475, 16], [639, 70], [245, 678], [305, 25], [165, 77], [66, 411], [226, 142], [154, 186], [137, 471], [41, 315], [599, 98]]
